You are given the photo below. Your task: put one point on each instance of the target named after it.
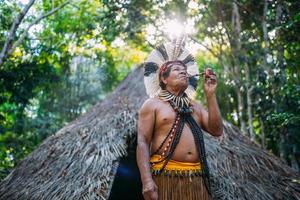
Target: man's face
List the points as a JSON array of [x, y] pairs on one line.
[[177, 77]]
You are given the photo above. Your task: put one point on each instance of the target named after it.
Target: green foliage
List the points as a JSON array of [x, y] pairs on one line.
[[73, 58], [62, 68], [273, 69]]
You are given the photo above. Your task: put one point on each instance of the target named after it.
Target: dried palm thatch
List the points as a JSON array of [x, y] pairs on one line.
[[80, 160]]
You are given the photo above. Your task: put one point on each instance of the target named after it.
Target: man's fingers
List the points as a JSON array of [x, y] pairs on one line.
[[208, 81], [154, 196], [151, 195], [212, 79], [149, 190]]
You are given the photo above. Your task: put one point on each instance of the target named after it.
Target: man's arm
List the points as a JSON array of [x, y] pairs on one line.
[[211, 120], [146, 123]]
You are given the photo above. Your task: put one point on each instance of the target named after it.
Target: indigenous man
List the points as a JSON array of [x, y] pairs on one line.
[[171, 152]]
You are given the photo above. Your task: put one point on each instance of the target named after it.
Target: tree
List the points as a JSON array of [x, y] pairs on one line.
[[39, 90], [81, 159], [10, 45], [256, 47]]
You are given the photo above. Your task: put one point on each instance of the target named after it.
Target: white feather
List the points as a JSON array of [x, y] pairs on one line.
[[169, 48], [152, 84], [192, 68], [183, 55], [156, 57]]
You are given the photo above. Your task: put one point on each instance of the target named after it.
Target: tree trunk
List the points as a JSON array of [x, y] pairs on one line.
[[80, 161], [282, 152], [281, 65], [241, 110], [12, 32], [262, 133], [249, 90], [236, 51], [10, 46], [294, 162], [266, 67], [280, 48], [266, 43]]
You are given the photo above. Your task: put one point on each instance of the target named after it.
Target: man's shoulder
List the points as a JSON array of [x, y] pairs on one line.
[[150, 104]]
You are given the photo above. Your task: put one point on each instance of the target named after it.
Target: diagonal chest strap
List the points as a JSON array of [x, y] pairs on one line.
[[183, 115]]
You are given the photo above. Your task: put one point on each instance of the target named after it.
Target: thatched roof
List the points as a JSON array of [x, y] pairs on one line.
[[80, 160]]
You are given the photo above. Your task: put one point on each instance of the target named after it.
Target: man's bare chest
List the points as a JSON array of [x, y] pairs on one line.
[[165, 116]]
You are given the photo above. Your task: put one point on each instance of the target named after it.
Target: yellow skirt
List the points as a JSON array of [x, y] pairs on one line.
[[179, 180], [173, 164]]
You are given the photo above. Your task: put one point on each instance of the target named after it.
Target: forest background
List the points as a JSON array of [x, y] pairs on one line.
[[60, 57]]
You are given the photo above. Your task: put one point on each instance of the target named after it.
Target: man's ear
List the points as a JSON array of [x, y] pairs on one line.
[[164, 80]]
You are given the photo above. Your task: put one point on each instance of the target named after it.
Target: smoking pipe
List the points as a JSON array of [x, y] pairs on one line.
[[207, 73]]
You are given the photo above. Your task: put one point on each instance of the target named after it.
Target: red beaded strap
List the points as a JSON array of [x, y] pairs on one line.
[[170, 135]]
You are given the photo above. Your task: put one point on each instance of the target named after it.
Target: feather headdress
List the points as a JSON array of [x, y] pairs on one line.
[[172, 51]]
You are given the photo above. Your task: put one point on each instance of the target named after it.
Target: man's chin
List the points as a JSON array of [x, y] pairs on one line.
[[184, 86]]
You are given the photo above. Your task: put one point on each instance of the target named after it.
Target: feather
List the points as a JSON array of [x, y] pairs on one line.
[[156, 57], [162, 50], [179, 44], [150, 67], [193, 82], [152, 84], [188, 59], [192, 68]]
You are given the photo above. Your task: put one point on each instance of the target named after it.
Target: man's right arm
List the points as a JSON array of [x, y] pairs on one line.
[[146, 122]]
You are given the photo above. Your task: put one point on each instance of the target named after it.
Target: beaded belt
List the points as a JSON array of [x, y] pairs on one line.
[[175, 168]]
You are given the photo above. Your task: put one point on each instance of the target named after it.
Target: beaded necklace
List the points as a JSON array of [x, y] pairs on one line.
[[179, 101]]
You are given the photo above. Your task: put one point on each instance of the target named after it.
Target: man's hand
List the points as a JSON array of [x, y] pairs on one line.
[[150, 190], [210, 82]]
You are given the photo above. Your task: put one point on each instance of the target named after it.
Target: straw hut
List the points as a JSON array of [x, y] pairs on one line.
[[81, 160]]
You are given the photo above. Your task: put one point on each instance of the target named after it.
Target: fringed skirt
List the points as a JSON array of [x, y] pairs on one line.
[[179, 180]]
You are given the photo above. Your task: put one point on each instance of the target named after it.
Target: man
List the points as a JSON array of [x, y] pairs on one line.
[[170, 151]]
